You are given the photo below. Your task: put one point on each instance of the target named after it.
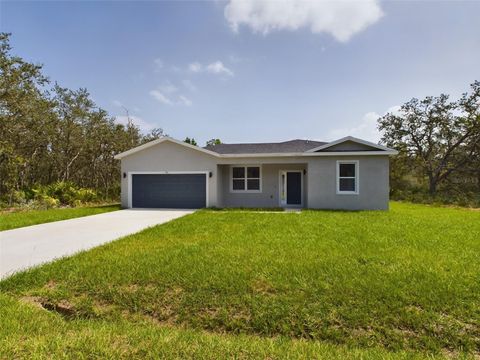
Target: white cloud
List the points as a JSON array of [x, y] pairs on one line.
[[159, 96], [366, 129], [184, 100], [168, 88], [167, 95], [395, 110], [195, 67], [158, 64], [216, 67], [145, 126], [341, 19]]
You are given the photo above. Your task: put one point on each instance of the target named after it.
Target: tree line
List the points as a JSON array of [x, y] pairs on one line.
[[50, 134], [438, 140]]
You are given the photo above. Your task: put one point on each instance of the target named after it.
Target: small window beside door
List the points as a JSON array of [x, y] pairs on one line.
[[347, 177], [246, 179]]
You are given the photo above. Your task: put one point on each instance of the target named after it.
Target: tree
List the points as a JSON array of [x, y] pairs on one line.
[[442, 136], [25, 119], [190, 141], [213, 142], [154, 134], [73, 110], [55, 134]]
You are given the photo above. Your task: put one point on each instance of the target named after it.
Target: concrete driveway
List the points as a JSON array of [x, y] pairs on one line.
[[33, 245]]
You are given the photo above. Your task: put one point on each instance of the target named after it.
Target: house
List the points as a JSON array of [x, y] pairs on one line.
[[348, 173]]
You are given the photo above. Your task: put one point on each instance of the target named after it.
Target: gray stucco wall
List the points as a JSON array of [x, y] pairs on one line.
[[319, 184], [269, 197], [373, 184], [168, 156]]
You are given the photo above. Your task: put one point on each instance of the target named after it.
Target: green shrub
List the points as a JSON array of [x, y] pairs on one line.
[[19, 197], [63, 194], [443, 197], [86, 195], [45, 202]]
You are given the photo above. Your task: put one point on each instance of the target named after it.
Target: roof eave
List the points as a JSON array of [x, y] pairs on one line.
[[309, 154], [382, 150]]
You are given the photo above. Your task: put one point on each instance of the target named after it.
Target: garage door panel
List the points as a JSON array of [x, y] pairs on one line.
[[169, 191]]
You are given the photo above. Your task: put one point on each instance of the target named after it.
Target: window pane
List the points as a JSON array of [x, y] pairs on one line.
[[347, 184], [253, 172], [238, 184], [238, 172], [253, 184], [347, 170]]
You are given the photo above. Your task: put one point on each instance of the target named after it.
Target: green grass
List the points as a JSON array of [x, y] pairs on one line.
[[28, 332], [16, 219], [319, 284]]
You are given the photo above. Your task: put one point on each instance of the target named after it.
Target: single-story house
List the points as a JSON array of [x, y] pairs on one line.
[[348, 173]]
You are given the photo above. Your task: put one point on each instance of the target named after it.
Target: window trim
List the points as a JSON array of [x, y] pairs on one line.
[[230, 179], [357, 177]]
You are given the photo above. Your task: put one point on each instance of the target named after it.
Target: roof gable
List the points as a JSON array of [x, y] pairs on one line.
[[350, 144], [159, 141]]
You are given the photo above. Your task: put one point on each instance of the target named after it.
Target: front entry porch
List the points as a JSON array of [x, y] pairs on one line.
[[262, 185]]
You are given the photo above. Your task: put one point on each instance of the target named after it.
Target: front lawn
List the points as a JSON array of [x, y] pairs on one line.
[[31, 333], [316, 284], [16, 219]]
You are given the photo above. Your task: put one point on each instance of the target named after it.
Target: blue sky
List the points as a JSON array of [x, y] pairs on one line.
[[246, 71]]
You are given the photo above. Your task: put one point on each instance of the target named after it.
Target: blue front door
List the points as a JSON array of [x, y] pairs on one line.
[[294, 188]]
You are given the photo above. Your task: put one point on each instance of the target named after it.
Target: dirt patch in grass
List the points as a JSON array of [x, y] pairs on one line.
[[51, 285], [63, 307], [262, 286], [32, 300], [361, 332], [173, 292], [131, 288]]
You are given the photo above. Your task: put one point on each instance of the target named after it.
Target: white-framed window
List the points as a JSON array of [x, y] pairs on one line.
[[347, 177], [245, 178]]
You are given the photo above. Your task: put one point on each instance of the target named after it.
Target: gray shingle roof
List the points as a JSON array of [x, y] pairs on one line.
[[291, 146]]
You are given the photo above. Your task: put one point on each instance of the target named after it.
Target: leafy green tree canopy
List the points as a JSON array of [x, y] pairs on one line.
[[441, 135], [213, 142], [53, 134], [190, 141]]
